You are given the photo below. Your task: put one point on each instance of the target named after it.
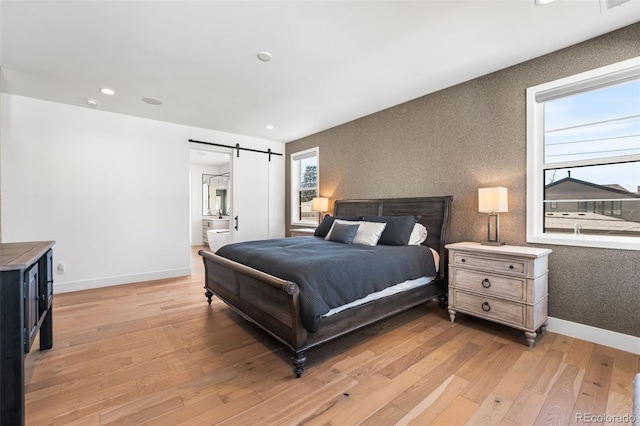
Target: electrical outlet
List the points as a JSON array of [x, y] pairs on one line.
[[61, 268]]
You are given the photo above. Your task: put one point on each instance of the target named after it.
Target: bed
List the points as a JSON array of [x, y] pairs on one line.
[[280, 305]]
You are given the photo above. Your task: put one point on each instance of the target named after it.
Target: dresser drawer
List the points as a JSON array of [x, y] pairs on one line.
[[503, 311], [490, 284], [511, 266]]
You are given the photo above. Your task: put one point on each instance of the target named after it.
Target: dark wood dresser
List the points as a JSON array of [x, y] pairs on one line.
[[26, 293]]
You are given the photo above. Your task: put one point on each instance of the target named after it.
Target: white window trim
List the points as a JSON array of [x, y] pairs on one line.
[[535, 158], [295, 202]]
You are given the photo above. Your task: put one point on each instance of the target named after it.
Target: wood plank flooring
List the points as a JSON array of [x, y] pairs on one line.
[[155, 353]]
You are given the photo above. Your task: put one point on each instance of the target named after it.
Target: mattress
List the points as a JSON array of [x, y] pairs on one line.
[[389, 291]]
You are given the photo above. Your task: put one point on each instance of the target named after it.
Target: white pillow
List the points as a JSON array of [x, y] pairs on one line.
[[418, 235], [368, 232]]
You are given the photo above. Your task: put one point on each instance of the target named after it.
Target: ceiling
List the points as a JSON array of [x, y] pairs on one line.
[[205, 157], [333, 61]]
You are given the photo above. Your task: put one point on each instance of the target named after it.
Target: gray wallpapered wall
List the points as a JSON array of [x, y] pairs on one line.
[[473, 135]]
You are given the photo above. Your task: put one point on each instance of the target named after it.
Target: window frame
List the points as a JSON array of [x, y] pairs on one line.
[[536, 96], [295, 183]]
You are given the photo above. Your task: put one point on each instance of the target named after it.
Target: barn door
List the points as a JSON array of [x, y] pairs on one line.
[[250, 209]]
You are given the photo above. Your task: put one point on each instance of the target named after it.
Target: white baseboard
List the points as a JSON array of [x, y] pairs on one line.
[[65, 287], [600, 336]]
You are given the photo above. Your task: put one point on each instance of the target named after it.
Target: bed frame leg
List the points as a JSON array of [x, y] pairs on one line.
[[209, 295], [298, 360], [443, 300]]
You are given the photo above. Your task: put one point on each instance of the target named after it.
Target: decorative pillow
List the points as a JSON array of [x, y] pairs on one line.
[[369, 233], [343, 233], [398, 229], [341, 222], [418, 235], [325, 226]]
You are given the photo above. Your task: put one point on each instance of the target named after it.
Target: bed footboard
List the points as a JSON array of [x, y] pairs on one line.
[[271, 303]]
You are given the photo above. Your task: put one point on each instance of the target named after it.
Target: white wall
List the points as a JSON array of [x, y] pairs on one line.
[[111, 189]]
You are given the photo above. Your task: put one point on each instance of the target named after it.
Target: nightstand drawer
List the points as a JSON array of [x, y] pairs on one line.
[[515, 266], [486, 307], [491, 285]]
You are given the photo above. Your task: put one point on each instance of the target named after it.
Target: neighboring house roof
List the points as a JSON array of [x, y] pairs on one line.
[[614, 188]]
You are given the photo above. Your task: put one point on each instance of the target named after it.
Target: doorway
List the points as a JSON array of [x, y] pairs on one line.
[[209, 192]]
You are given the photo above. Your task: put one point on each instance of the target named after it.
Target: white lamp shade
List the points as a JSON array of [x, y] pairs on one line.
[[320, 204], [493, 200]]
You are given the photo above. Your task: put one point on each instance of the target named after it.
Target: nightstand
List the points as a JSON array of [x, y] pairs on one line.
[[302, 232], [504, 284]]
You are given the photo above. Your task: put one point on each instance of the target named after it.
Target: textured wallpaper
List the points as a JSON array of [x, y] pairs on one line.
[[473, 135]]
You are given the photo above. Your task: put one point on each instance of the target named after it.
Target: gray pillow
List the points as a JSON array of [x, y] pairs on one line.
[[325, 226], [343, 233], [398, 229]]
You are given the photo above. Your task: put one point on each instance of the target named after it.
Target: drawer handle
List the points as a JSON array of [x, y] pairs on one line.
[[486, 283], [486, 307], [510, 266], [462, 260]]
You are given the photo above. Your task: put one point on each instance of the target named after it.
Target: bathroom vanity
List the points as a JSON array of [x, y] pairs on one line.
[[214, 223]]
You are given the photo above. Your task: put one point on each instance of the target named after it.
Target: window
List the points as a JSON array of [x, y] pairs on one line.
[[583, 159], [304, 186]]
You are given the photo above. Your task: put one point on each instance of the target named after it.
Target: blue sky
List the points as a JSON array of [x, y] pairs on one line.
[[596, 124]]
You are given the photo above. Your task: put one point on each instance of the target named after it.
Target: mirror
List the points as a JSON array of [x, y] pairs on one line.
[[215, 195]]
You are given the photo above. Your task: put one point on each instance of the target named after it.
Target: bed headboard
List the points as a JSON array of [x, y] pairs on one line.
[[434, 214]]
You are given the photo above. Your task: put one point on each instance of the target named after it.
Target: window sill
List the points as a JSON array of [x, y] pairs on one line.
[[594, 241], [313, 225]]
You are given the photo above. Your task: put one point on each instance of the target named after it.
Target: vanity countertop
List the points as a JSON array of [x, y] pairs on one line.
[[215, 217]]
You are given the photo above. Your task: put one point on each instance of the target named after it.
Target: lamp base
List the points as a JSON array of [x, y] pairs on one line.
[[492, 243], [493, 240]]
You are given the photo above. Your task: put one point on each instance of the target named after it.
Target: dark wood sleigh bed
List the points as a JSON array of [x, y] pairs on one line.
[[273, 304]]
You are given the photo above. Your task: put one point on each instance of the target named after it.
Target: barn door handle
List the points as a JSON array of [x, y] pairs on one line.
[[236, 219]]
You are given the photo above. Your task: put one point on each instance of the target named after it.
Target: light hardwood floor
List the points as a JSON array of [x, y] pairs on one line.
[[155, 353]]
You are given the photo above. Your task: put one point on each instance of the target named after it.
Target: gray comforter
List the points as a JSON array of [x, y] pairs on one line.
[[331, 274]]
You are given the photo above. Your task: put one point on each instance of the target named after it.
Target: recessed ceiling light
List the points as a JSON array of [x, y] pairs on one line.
[[91, 102], [269, 126], [265, 56], [542, 2], [152, 101], [107, 91]]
